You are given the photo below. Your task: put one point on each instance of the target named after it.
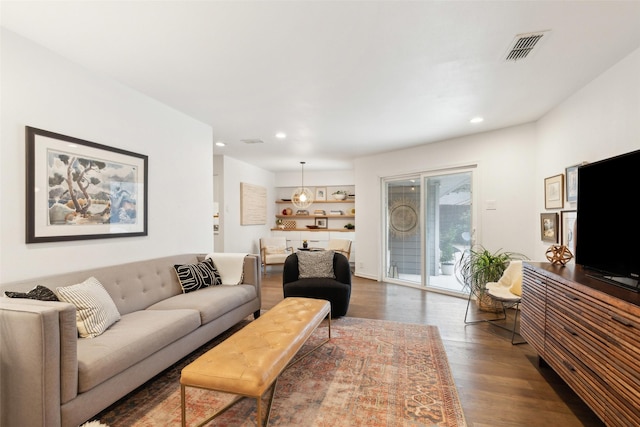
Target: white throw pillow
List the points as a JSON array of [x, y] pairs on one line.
[[95, 310]]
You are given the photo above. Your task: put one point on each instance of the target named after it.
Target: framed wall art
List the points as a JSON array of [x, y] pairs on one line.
[[549, 227], [321, 222], [571, 183], [253, 204], [554, 192], [568, 225], [78, 190], [321, 194]]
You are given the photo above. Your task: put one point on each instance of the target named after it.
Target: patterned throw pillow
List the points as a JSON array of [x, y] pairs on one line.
[[95, 310], [315, 264], [41, 293], [197, 276]]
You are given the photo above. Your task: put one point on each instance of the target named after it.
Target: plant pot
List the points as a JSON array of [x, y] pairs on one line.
[[446, 268], [488, 304], [339, 196]]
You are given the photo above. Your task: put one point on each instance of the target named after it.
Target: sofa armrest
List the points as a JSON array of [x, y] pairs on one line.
[[251, 273], [39, 369]]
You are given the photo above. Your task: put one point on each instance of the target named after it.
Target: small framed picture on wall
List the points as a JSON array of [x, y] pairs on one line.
[[321, 194], [554, 192], [568, 225], [549, 227]]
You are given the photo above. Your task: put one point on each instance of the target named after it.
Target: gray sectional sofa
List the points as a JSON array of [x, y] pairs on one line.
[[50, 377]]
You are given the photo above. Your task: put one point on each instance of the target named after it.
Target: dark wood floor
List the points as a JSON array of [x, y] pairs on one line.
[[499, 384]]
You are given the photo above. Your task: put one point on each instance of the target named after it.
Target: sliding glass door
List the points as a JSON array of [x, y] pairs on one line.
[[428, 227]]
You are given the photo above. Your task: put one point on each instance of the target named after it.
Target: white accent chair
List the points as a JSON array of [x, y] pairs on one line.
[[508, 292], [273, 251], [342, 246]]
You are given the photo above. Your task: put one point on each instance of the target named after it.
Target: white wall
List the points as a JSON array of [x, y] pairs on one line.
[[43, 90], [599, 121], [505, 174], [235, 237]]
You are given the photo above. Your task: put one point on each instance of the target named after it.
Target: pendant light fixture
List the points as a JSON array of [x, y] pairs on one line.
[[302, 197]]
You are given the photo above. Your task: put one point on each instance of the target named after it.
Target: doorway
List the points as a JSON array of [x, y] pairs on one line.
[[429, 225]]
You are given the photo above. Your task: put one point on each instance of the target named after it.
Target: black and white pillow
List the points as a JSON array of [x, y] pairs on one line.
[[197, 276], [40, 293], [318, 264]]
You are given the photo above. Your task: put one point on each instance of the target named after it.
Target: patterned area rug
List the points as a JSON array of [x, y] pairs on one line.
[[371, 373]]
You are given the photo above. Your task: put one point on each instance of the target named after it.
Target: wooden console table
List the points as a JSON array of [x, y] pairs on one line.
[[588, 331]]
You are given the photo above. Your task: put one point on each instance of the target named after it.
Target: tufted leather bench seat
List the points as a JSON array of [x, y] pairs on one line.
[[249, 362]]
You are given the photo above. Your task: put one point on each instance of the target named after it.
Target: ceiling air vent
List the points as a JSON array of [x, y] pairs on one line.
[[523, 44], [252, 141]]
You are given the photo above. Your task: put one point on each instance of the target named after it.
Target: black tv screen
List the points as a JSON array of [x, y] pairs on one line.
[[608, 224]]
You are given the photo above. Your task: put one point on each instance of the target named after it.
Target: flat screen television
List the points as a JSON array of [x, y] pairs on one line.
[[608, 224]]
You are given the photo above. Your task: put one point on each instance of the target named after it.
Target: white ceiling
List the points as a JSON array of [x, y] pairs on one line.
[[343, 79]]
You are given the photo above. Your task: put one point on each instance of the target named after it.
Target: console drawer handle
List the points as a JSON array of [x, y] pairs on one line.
[[572, 297], [622, 321], [568, 366]]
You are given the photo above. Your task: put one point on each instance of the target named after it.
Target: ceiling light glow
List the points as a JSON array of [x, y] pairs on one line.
[[476, 120], [220, 144], [281, 135]]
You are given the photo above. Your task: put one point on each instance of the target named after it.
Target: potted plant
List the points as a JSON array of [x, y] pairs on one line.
[[339, 195], [447, 254], [349, 226], [479, 266]]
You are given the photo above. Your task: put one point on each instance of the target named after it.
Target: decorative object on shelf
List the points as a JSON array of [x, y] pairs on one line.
[[302, 212], [319, 212], [559, 254], [287, 211], [352, 211], [350, 226], [321, 193], [549, 227], [305, 244], [403, 218], [289, 224], [336, 212], [321, 222], [312, 227], [302, 197], [280, 223], [554, 192], [339, 195]]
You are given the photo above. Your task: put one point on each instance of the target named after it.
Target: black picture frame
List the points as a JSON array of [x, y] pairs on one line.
[[321, 222], [80, 190], [549, 227]]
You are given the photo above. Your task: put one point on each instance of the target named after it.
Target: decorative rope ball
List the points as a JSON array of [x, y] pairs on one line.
[[559, 254]]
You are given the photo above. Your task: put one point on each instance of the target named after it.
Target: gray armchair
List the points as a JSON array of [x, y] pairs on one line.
[[337, 291]]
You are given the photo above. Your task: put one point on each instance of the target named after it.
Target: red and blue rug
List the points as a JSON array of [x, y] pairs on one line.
[[372, 373]]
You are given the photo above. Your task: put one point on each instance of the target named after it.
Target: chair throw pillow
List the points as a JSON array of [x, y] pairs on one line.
[[512, 277], [315, 264], [197, 276], [41, 293], [95, 310]]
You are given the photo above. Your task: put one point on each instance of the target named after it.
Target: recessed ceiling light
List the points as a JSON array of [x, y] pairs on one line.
[[476, 120], [220, 144], [281, 135]]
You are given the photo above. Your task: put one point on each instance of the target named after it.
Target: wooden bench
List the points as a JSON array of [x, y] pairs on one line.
[[249, 362]]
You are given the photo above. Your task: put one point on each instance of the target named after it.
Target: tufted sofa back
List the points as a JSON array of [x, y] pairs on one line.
[[133, 286]]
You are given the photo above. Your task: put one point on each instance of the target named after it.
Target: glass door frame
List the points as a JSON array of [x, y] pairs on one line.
[[421, 177]]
